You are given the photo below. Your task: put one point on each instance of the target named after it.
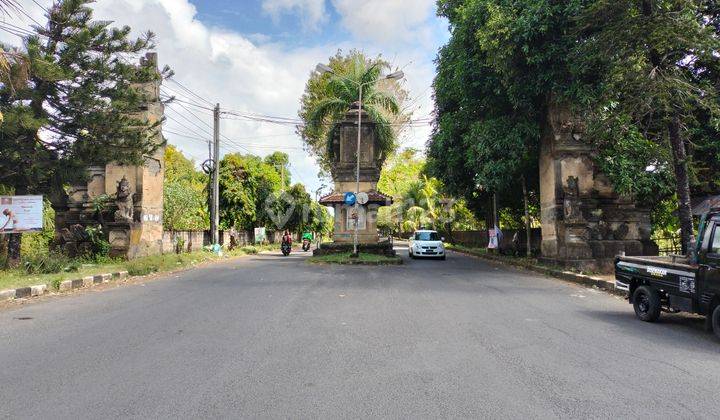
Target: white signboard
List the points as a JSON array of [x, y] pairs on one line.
[[350, 225], [260, 235], [21, 213]]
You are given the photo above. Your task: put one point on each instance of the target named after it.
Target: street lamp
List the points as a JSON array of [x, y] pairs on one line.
[[322, 68]]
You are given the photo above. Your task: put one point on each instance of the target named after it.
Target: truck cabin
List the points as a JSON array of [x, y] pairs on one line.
[[708, 249]]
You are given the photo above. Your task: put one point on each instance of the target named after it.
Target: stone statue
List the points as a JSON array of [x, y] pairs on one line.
[[571, 201], [124, 202], [621, 232]]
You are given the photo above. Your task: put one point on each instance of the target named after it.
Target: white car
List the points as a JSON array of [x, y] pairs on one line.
[[426, 243]]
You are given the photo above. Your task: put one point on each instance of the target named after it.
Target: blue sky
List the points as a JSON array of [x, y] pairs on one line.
[[255, 56]]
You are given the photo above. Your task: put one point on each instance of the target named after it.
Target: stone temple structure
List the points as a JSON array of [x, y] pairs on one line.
[[134, 213], [342, 151], [585, 224]]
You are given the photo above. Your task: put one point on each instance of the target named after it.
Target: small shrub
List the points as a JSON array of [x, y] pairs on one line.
[[50, 263], [249, 249], [141, 268], [180, 245]]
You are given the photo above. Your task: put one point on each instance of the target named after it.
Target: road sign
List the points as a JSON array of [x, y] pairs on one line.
[[349, 199], [362, 198]]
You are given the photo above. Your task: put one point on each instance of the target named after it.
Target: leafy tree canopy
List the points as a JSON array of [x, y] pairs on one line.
[[185, 205], [329, 96], [77, 102]]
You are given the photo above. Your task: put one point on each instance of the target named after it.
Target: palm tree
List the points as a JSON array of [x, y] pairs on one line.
[[342, 91]]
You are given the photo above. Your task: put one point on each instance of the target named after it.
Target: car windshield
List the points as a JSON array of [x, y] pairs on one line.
[[426, 236]]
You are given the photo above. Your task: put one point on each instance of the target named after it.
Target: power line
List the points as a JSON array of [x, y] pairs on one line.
[[194, 115], [192, 123], [174, 92], [250, 145], [186, 127], [190, 91], [174, 99]]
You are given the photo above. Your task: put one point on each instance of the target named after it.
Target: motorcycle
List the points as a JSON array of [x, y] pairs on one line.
[[285, 248], [306, 245]]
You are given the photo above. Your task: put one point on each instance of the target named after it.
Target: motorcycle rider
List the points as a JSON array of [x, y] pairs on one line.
[[286, 245], [287, 238], [307, 238]]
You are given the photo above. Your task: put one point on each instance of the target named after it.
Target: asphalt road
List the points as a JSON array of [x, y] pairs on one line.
[[271, 337]]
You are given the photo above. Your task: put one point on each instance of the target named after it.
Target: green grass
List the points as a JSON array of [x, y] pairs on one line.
[[517, 260], [345, 258], [10, 279]]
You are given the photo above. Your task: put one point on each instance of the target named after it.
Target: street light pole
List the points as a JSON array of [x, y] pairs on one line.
[[322, 68], [357, 173]]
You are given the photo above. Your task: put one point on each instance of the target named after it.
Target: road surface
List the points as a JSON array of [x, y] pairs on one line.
[[271, 337]]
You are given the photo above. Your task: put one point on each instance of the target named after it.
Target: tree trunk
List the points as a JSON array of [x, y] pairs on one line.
[[13, 255], [15, 240], [527, 217], [682, 186]]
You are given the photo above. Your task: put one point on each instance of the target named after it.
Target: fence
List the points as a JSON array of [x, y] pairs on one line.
[[190, 240], [195, 240], [479, 239], [669, 245]]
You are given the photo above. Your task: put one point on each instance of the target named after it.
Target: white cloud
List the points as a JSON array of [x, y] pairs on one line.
[[312, 12], [387, 21]]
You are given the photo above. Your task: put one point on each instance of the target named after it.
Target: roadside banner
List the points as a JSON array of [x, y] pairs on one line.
[[21, 213], [492, 239], [260, 235]]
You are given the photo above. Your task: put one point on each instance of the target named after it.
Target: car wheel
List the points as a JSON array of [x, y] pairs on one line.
[[442, 258], [646, 303], [716, 321], [412, 256]]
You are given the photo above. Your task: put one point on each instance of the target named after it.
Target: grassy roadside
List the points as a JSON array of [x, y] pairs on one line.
[[363, 259], [525, 262], [11, 279]]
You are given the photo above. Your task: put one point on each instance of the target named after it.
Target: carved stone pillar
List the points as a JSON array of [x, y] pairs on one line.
[[585, 224]]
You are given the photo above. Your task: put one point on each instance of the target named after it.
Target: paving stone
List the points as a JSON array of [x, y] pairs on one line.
[[38, 290], [7, 294], [23, 292]]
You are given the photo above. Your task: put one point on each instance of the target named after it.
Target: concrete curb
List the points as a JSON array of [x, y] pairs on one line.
[[65, 286], [569, 276]]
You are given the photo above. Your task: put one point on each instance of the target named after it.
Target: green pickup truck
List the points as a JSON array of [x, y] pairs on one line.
[[676, 283]]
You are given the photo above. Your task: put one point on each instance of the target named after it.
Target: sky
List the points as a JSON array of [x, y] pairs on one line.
[[255, 56]]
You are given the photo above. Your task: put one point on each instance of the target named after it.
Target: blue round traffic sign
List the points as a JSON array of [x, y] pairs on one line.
[[349, 199]]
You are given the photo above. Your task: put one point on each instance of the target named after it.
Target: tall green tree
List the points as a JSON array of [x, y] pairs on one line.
[[490, 99], [419, 200], [657, 54], [78, 103], [185, 204], [641, 72], [246, 181], [328, 97]]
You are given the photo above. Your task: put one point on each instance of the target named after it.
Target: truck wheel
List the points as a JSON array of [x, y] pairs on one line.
[[646, 302], [716, 321]]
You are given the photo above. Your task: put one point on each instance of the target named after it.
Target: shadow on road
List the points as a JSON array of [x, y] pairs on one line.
[[665, 330]]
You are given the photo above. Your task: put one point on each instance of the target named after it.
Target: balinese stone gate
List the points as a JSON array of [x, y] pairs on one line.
[[585, 224], [134, 215], [343, 151]]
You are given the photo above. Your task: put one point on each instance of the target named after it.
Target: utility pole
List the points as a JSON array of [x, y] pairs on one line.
[[215, 205]]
